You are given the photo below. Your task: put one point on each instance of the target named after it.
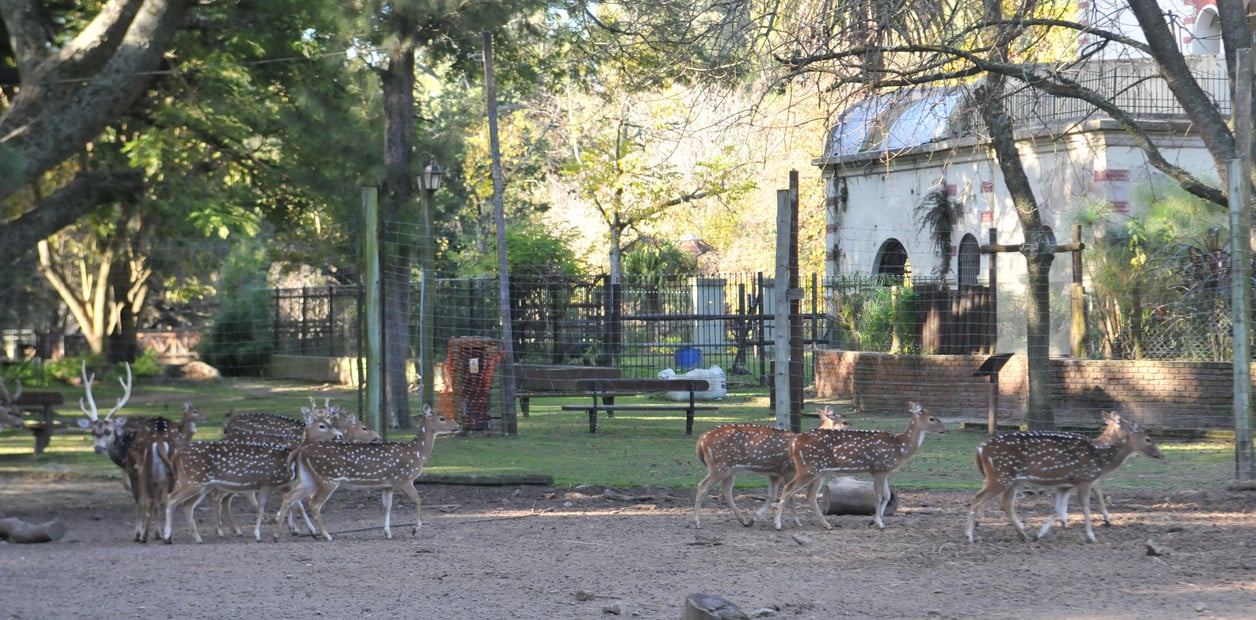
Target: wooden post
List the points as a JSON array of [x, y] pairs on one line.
[[796, 349], [1077, 303], [993, 278], [1241, 265], [780, 320], [374, 380]]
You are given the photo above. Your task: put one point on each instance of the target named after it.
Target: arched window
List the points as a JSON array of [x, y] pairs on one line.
[[969, 261], [892, 262], [1206, 38]]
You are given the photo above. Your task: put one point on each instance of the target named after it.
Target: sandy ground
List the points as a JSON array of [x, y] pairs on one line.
[[534, 552]]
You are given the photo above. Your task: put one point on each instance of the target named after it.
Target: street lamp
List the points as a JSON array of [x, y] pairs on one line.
[[429, 181], [431, 177]]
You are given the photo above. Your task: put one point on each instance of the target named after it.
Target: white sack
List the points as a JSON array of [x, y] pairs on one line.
[[714, 375]]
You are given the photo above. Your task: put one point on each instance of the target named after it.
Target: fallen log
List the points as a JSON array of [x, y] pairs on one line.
[[850, 496], [15, 530]]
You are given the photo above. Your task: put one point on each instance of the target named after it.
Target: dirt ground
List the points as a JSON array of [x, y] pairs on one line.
[[534, 552]]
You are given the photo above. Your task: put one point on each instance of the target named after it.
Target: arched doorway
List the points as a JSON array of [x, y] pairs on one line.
[[892, 262]]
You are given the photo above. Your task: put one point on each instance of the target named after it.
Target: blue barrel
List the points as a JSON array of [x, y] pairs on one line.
[[688, 358]]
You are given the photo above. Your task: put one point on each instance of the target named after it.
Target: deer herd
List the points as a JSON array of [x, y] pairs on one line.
[[308, 459], [791, 461]]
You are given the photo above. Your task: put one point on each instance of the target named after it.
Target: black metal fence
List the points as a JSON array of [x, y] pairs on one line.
[[644, 326]]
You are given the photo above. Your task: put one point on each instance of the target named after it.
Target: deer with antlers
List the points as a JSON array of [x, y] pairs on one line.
[[822, 454], [110, 436], [322, 468], [733, 449], [232, 466], [1063, 461]]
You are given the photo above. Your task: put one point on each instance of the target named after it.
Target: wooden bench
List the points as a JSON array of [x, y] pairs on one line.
[[39, 417], [608, 388], [538, 380]]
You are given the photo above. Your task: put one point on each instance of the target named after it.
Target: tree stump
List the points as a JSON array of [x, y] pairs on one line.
[[849, 496], [15, 530]]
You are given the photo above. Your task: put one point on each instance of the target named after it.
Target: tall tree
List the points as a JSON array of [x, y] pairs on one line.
[[67, 88]]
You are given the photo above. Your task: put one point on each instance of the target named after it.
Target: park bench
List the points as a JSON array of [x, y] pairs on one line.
[[543, 380], [606, 389], [38, 415]]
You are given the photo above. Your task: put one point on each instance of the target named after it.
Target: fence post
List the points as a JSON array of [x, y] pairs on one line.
[[374, 379]]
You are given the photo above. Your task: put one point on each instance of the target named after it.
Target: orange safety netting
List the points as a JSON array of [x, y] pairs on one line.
[[469, 366]]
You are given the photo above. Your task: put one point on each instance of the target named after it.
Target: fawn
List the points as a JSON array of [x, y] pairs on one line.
[[732, 449], [821, 454]]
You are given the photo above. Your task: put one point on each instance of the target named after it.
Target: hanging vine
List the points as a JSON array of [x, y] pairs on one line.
[[937, 215]]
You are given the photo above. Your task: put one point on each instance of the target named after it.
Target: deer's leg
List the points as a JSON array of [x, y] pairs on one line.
[[1084, 491], [703, 487], [1008, 502], [1060, 510], [263, 496], [726, 488], [296, 493], [774, 488], [172, 503], [223, 513], [292, 526], [881, 489], [321, 494], [976, 509], [387, 498], [413, 494], [189, 510], [780, 500], [1103, 505], [813, 495]]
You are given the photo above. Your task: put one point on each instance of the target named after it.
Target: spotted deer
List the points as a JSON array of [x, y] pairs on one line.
[[392, 466], [232, 466], [148, 465], [270, 427], [111, 436], [733, 449], [1114, 430], [822, 454], [1063, 461]]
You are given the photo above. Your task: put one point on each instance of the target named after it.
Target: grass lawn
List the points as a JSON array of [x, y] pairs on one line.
[[632, 449]]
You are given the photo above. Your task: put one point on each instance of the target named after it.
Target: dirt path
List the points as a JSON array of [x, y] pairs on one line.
[[534, 552]]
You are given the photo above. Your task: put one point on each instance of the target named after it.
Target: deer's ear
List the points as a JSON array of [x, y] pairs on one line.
[[84, 423], [119, 422], [913, 407]]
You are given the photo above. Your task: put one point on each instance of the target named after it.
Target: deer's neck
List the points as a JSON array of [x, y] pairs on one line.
[[424, 440], [1112, 455], [911, 440]]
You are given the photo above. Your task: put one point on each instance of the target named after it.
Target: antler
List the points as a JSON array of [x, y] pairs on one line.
[[94, 414]]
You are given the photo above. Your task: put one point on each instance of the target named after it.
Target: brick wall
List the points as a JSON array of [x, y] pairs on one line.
[[1186, 395]]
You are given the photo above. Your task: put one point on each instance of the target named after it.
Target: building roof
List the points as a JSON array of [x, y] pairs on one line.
[[895, 121]]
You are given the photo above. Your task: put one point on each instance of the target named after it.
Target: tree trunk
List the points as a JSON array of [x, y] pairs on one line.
[[1039, 254], [120, 342], [397, 81]]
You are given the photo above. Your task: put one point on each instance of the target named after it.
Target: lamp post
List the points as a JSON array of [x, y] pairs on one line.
[[429, 181]]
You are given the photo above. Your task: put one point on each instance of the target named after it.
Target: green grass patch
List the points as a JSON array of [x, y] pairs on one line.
[[632, 449]]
